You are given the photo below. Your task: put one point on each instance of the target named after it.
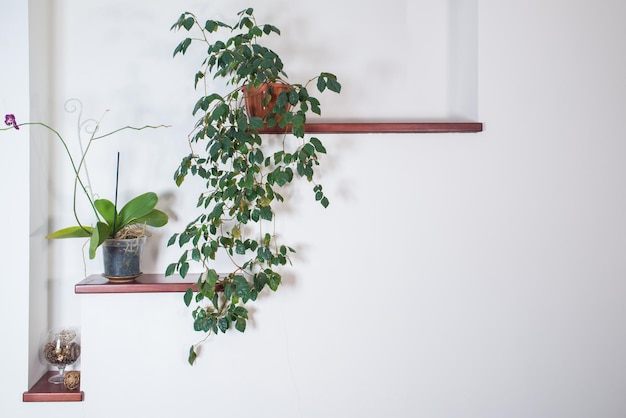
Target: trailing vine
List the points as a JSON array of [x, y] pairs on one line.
[[243, 171]]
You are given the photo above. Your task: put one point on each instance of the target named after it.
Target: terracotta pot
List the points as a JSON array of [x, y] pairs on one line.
[[254, 96]]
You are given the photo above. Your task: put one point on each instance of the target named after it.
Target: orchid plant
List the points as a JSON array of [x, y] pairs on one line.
[[110, 222]]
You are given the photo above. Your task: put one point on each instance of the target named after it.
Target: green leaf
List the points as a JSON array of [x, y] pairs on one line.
[[242, 288], [205, 102], [330, 81], [273, 281], [240, 311], [240, 248], [138, 207], [199, 76], [195, 254], [211, 277], [333, 85], [308, 150], [211, 26], [256, 123], [71, 232], [106, 209], [321, 84], [192, 355], [188, 23], [223, 324], [172, 240], [170, 269], [228, 290], [260, 280], [184, 238], [99, 234], [155, 218], [315, 106], [182, 47], [266, 213], [318, 145], [258, 156], [240, 324], [184, 268], [188, 296]]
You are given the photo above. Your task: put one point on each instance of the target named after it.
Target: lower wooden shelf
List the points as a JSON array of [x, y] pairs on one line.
[[44, 391], [146, 283]]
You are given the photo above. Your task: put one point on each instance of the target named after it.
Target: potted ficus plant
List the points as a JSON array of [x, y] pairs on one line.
[[121, 232], [244, 174]]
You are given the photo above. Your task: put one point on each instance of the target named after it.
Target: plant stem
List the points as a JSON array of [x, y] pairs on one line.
[[74, 168], [117, 178], [128, 127]]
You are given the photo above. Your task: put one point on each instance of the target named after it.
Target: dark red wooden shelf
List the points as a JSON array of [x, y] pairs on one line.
[[385, 127], [146, 283], [44, 391]]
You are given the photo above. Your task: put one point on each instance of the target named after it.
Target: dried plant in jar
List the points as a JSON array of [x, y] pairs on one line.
[[62, 349]]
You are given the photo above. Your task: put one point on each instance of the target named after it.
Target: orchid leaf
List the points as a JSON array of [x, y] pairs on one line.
[[155, 218], [106, 209], [100, 234], [136, 208], [71, 232]]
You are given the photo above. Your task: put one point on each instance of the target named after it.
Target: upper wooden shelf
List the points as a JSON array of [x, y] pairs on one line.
[[146, 283], [386, 127]]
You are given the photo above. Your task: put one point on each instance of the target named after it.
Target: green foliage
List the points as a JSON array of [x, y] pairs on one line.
[[243, 174]]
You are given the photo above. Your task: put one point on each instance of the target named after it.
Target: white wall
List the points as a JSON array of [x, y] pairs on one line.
[[14, 171], [23, 162], [472, 275]]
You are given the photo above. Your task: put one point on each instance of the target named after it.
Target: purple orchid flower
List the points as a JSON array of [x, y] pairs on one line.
[[9, 120]]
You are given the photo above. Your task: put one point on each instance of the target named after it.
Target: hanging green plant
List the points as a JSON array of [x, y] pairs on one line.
[[244, 173]]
